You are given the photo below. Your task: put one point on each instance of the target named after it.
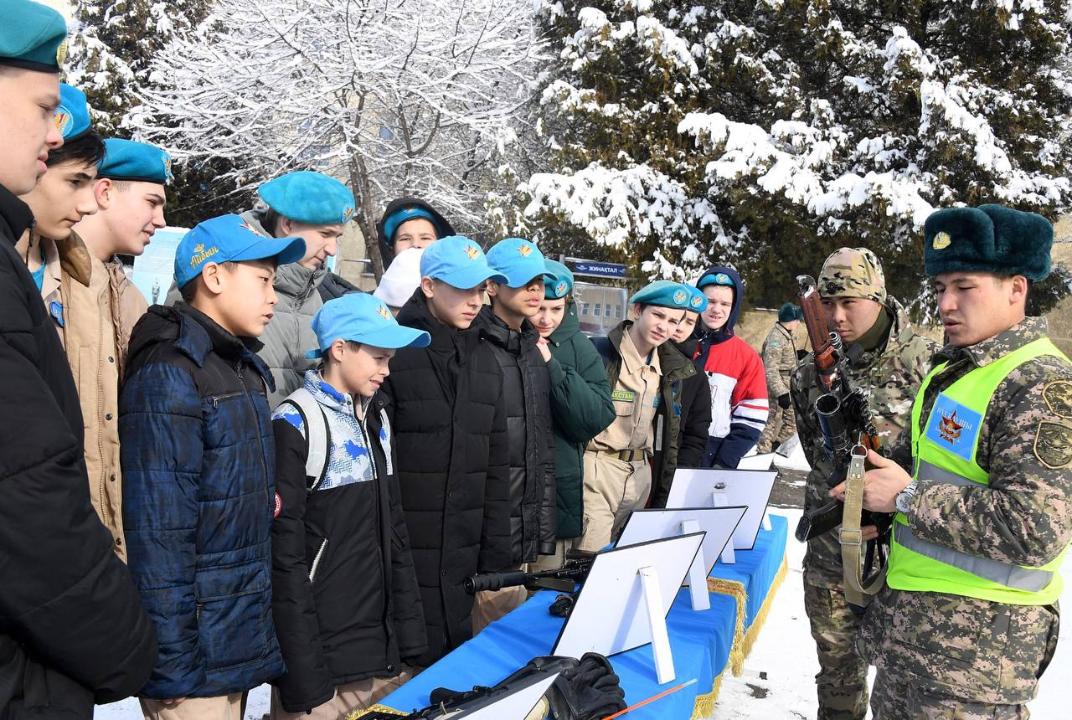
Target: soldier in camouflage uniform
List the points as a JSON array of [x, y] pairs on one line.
[[779, 359], [888, 360], [969, 619]]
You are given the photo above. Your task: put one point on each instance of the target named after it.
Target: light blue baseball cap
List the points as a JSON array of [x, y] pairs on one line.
[[519, 260], [229, 238], [362, 318], [459, 262]]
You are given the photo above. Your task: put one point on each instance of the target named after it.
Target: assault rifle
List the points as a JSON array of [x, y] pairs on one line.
[[848, 430], [563, 579]]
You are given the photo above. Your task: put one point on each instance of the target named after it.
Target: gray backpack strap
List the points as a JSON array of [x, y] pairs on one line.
[[317, 434]]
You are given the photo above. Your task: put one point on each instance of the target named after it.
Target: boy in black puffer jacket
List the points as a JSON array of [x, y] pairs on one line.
[[341, 526], [198, 473], [445, 404]]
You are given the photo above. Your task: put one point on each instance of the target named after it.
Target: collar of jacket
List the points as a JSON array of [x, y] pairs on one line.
[[298, 281], [502, 335], [987, 351], [415, 314], [198, 335], [674, 365], [570, 326], [75, 259], [899, 334], [326, 394], [15, 214]]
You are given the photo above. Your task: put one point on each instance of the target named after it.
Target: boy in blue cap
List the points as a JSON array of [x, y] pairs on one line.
[[507, 327], [580, 402], [409, 222], [74, 631], [199, 481], [645, 372], [341, 525], [449, 417]]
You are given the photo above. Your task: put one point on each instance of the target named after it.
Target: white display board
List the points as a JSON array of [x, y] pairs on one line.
[[515, 706], [718, 524], [756, 462], [695, 487], [610, 615]]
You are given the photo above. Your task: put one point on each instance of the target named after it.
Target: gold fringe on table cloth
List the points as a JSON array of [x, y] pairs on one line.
[[704, 707], [743, 642]]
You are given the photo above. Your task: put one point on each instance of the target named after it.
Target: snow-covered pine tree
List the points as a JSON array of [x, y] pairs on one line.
[[768, 132]]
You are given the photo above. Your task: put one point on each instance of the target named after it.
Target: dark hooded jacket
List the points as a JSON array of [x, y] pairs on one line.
[[445, 405], [198, 498], [526, 393], [580, 409], [737, 383], [692, 437], [387, 245], [72, 628]]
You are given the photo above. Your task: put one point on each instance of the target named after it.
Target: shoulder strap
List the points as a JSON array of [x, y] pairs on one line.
[[317, 434]]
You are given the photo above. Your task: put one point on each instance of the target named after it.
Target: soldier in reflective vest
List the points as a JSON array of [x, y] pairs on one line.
[[969, 620]]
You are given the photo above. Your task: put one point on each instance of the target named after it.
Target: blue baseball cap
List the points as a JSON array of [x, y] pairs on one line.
[[32, 37], [557, 281], [134, 162], [309, 197], [519, 260], [229, 238], [697, 300], [664, 293], [402, 215], [363, 318], [72, 115], [459, 262]]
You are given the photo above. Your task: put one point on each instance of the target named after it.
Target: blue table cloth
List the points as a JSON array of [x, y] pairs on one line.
[[701, 641]]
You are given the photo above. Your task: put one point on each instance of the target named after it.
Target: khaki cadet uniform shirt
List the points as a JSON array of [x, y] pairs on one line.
[[94, 307], [938, 650], [617, 472]]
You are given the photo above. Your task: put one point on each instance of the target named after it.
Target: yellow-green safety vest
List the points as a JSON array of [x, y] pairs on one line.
[[945, 452]]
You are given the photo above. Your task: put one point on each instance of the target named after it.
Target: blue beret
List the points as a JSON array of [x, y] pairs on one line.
[[697, 300], [309, 197], [229, 238], [989, 238], [789, 312], [135, 162], [405, 214], [664, 293], [32, 36], [72, 115], [558, 282]]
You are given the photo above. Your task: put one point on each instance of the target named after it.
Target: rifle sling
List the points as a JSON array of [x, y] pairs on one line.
[[858, 590]]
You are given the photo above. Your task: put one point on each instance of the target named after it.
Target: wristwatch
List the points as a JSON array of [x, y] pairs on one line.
[[904, 498]]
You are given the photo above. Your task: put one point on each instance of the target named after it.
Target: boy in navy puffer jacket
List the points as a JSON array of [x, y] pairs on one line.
[[199, 481]]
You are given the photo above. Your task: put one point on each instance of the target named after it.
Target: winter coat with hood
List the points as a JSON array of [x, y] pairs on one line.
[[198, 499], [580, 409], [72, 627], [526, 395], [692, 436], [446, 407], [387, 245], [333, 535], [676, 369], [737, 382]]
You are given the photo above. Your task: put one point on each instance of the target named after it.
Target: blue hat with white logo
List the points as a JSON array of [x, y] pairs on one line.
[[32, 37], [459, 262], [697, 300], [309, 197], [557, 280], [362, 318], [519, 260], [229, 238], [664, 293], [402, 215], [72, 115], [134, 162]]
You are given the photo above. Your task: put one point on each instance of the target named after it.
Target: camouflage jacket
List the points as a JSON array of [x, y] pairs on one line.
[[1024, 516], [779, 359], [891, 377]]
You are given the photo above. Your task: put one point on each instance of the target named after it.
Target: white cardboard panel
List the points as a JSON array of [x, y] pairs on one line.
[[515, 706], [694, 487], [718, 524]]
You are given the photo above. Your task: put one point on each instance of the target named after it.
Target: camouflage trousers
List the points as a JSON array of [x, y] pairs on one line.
[[781, 424], [841, 683], [897, 698]]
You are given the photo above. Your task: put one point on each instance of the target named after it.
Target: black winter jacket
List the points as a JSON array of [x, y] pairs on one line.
[[387, 245], [344, 593], [445, 404], [692, 435], [526, 392], [72, 627]]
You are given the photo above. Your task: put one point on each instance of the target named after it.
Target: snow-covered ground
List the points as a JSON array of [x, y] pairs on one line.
[[778, 677]]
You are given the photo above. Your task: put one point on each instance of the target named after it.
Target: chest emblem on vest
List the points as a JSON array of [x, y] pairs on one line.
[[953, 427]]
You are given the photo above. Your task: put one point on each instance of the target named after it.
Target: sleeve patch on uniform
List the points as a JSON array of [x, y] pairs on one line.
[[1058, 397], [1053, 444]]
